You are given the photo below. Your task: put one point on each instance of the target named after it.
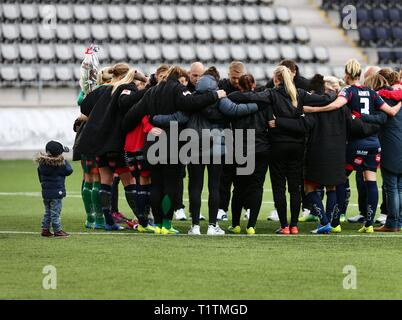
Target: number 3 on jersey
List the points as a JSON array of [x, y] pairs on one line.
[[366, 102]]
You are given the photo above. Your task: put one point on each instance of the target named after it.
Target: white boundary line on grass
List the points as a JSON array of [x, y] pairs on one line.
[[77, 195], [204, 235]]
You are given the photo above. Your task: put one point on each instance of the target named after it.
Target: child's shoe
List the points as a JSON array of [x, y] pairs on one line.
[[46, 233], [61, 234]]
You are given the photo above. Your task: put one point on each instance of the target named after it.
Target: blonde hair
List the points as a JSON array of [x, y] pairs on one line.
[[237, 67], [175, 72], [376, 82], [131, 75], [333, 83], [104, 76], [119, 70], [283, 74], [353, 69]]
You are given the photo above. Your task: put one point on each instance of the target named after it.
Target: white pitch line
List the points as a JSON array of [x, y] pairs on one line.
[[77, 195], [204, 235]]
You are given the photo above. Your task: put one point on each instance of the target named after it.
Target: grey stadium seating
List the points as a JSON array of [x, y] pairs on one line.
[[145, 34]]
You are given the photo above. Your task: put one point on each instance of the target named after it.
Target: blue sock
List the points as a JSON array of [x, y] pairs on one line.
[[318, 207], [331, 205], [372, 201]]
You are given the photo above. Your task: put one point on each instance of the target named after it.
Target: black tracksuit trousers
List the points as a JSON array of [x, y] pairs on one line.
[[286, 165]]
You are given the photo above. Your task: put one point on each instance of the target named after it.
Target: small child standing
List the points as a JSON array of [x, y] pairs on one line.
[[52, 172]]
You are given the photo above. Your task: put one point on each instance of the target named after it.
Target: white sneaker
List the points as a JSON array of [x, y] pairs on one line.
[[222, 215], [381, 219], [273, 215], [215, 231], [194, 231], [180, 215], [247, 214], [356, 219]]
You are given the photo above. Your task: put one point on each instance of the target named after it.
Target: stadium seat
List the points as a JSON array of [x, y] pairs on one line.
[[255, 53], [99, 32], [269, 71], [81, 32], [288, 52], [167, 13], [82, 13], [307, 71], [117, 53], [398, 56], [29, 12], [383, 36], [236, 33], [286, 34], [79, 52], [253, 33], [234, 14], [184, 13], [185, 33], [321, 54], [64, 13], [338, 72], [135, 54], [219, 33], [116, 13], [250, 14], [366, 36], [271, 53], [64, 74], [269, 33], [152, 53], [305, 54], [302, 34], [64, 53], [238, 52], [323, 70], [267, 15], [397, 36], [200, 14], [363, 17], [46, 75], [99, 13], [9, 74], [28, 32], [46, 52], [395, 17], [150, 13], [151, 32], [134, 32], [28, 53], [103, 54], [386, 57], [380, 16], [117, 32], [10, 32], [187, 53], [258, 73], [170, 53], [168, 33], [202, 32], [221, 53], [64, 32], [204, 53], [282, 15], [9, 52], [11, 12], [217, 14], [28, 75], [45, 33]]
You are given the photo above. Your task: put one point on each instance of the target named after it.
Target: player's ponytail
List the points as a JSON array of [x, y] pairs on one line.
[[131, 75], [353, 69], [284, 75]]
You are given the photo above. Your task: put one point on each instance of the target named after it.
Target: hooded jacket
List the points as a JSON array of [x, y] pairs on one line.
[[52, 172]]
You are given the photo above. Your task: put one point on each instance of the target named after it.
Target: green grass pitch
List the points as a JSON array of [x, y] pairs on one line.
[[95, 265]]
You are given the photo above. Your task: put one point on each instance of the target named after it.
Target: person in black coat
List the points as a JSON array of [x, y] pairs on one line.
[[52, 173], [166, 98], [248, 189], [103, 138], [300, 81], [287, 146]]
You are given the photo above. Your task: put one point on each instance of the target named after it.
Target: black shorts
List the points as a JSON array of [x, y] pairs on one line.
[[360, 159], [114, 161], [137, 164]]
